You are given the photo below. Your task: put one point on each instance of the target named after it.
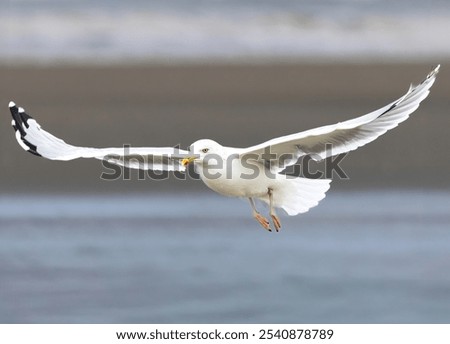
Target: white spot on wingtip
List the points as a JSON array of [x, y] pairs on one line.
[[13, 123], [11, 104], [21, 109]]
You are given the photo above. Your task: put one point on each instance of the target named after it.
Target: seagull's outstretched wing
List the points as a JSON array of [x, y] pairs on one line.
[[342, 137], [34, 139]]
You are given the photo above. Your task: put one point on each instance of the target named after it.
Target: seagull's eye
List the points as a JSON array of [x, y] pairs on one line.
[[205, 150]]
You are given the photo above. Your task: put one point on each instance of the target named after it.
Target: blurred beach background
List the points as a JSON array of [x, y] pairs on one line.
[[78, 249]]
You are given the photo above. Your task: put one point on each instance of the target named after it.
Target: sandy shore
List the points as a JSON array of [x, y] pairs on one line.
[[236, 105]]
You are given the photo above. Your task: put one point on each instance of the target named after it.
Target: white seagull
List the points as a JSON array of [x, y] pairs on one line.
[[254, 172]]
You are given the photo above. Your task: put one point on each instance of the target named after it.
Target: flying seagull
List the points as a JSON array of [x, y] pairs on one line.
[[254, 172]]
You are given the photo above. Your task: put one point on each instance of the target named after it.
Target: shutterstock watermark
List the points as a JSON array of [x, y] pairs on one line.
[[213, 166]]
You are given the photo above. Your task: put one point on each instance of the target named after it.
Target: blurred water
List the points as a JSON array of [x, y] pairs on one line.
[[105, 31], [358, 257]]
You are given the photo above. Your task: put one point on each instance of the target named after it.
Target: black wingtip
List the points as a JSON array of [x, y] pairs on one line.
[[17, 119], [20, 117], [14, 110]]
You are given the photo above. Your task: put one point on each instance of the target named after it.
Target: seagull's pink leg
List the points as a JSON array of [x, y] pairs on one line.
[[261, 219]]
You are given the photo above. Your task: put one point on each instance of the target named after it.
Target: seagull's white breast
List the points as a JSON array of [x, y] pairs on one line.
[[237, 178]]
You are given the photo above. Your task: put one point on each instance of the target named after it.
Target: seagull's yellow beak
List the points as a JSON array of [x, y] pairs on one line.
[[188, 160]]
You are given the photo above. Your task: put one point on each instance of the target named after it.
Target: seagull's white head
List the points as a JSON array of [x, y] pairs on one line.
[[200, 149]]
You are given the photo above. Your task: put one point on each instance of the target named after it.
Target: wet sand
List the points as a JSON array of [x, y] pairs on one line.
[[236, 105]]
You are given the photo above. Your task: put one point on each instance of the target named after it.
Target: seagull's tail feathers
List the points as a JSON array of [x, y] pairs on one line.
[[297, 195]]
